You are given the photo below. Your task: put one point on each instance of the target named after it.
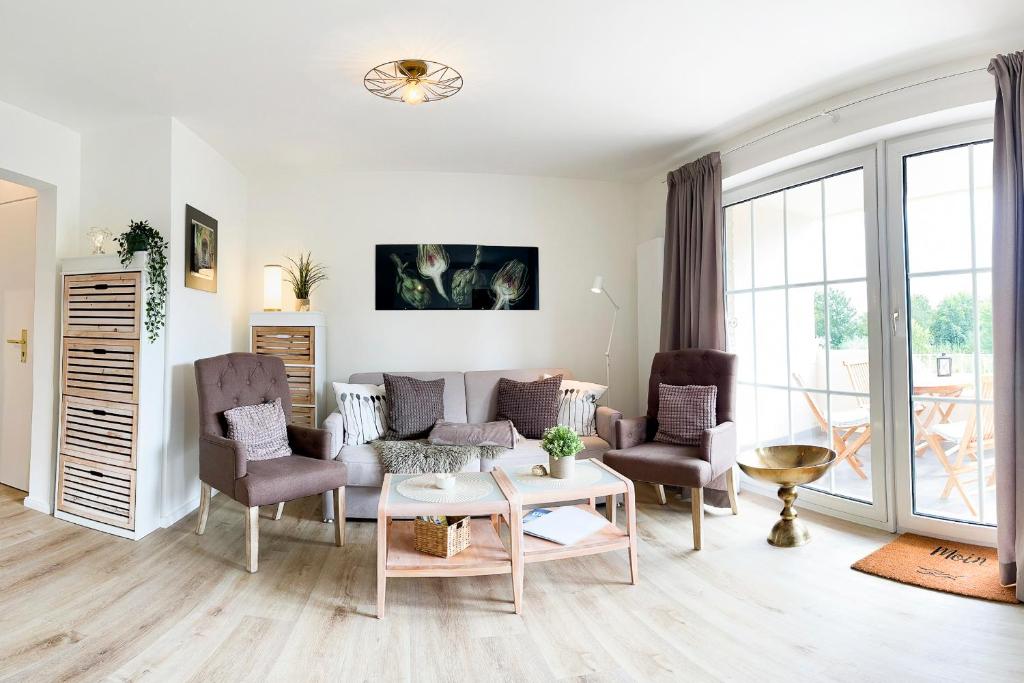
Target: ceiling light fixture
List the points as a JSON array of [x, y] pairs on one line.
[[413, 81]]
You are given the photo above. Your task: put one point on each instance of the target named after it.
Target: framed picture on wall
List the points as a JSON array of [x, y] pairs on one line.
[[200, 250]]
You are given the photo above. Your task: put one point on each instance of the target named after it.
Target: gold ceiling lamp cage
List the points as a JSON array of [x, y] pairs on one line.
[[413, 81]]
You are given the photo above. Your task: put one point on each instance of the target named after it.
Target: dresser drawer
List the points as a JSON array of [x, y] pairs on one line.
[[304, 416], [290, 344], [100, 431], [106, 306], [300, 384], [99, 492], [105, 369]]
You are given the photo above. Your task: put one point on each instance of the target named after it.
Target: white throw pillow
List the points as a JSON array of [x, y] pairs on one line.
[[364, 412], [577, 405]]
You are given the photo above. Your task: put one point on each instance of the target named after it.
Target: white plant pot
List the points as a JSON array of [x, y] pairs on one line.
[[562, 468]]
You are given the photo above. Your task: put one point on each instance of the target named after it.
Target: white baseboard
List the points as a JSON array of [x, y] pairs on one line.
[[38, 505], [183, 510]]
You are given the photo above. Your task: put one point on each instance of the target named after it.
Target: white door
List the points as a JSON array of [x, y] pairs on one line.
[[940, 237], [17, 275]]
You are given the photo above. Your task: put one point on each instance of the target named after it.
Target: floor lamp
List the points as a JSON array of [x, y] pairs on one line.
[[598, 288]]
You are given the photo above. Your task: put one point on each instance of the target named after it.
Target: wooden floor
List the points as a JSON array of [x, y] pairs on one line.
[[77, 604]]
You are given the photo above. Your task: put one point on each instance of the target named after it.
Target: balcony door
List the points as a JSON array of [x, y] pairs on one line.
[[804, 311]]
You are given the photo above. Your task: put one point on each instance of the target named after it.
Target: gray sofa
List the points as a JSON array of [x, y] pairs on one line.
[[468, 397]]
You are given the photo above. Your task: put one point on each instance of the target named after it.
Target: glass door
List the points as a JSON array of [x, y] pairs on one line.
[[940, 237], [804, 316]]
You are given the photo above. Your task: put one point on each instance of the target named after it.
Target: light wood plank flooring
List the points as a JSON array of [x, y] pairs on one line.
[[77, 604]]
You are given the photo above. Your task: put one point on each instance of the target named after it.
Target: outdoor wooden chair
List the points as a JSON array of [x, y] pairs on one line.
[[850, 431], [961, 457]]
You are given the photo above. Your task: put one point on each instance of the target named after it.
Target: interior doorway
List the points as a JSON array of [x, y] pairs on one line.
[[18, 208]]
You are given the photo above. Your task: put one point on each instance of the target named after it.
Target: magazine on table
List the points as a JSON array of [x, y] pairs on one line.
[[566, 525]]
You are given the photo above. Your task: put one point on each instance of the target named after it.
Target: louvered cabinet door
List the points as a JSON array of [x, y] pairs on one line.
[[100, 431], [105, 305], [105, 369], [300, 384], [304, 416], [96, 491], [293, 345]]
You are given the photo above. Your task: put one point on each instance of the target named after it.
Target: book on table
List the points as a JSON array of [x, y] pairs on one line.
[[565, 525]]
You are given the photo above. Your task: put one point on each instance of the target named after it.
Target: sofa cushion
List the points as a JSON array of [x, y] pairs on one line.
[[454, 389], [414, 405], [481, 389], [364, 468], [531, 406], [662, 463]]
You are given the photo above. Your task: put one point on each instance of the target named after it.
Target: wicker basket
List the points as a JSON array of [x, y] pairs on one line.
[[442, 541]]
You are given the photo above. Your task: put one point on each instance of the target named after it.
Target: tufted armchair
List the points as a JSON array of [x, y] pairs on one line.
[[243, 379], [641, 458]]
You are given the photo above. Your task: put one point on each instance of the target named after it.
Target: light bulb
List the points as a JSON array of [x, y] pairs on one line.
[[413, 93]]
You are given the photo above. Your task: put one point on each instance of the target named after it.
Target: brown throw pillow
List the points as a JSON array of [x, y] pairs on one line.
[[684, 413], [531, 406], [500, 433], [414, 405]]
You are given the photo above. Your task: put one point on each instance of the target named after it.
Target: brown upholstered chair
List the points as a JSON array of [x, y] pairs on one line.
[[243, 379], [641, 458]]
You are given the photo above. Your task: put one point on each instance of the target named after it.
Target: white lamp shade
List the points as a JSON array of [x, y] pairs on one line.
[[598, 285], [271, 287]]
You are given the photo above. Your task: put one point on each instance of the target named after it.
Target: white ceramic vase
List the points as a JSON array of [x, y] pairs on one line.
[[562, 468]]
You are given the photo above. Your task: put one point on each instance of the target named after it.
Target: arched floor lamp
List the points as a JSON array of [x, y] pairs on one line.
[[598, 288]]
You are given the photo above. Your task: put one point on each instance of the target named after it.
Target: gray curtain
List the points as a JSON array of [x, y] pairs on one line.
[[693, 296], [1008, 313], [693, 289]]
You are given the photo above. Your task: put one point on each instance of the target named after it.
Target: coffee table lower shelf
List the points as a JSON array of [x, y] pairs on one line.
[[608, 538], [485, 555]]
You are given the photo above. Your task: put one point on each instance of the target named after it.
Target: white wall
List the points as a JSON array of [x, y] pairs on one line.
[[46, 157], [199, 324], [582, 228]]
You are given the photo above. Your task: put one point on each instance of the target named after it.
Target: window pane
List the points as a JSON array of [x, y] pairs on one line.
[[746, 417], [772, 416], [938, 210], [942, 334], [851, 424], [983, 204], [737, 246], [945, 473], [769, 263], [770, 316], [804, 234], [740, 329], [806, 338], [844, 225], [847, 317]]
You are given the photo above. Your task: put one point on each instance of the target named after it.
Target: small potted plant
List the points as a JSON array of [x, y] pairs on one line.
[[141, 237], [304, 276], [562, 444]]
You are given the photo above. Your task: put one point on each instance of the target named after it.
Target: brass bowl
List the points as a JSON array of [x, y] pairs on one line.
[[788, 467]]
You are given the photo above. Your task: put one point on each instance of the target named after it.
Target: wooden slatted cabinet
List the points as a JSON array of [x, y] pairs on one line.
[[299, 340], [111, 408]]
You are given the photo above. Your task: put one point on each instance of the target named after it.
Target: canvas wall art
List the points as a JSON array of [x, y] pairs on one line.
[[456, 276], [200, 250]]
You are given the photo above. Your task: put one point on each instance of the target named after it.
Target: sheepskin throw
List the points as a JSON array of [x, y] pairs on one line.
[[421, 457]]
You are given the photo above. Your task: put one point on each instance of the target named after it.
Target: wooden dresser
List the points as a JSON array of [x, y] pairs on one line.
[[300, 340], [111, 408]]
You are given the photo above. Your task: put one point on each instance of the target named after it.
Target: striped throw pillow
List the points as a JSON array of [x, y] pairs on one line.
[[364, 412], [684, 413], [577, 406]]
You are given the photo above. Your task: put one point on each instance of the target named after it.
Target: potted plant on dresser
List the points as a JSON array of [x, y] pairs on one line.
[[562, 444], [304, 276]]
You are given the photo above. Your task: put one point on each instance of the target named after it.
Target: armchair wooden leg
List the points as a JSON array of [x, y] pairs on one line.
[[279, 511], [339, 516], [661, 494], [730, 483], [204, 507], [697, 511], [252, 539]]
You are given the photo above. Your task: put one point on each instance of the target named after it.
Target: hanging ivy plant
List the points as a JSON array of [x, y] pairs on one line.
[[141, 237]]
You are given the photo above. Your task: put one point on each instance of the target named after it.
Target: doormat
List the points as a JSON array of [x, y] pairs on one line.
[[961, 568]]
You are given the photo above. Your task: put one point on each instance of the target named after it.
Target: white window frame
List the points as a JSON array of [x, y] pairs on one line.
[[898, 351], [878, 512]]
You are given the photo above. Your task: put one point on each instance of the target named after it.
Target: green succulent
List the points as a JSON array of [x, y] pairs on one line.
[[561, 442]]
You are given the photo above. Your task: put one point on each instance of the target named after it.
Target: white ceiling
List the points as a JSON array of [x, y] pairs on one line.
[[591, 89]]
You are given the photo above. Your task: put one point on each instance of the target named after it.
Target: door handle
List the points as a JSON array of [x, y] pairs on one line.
[[23, 342], [895, 320]]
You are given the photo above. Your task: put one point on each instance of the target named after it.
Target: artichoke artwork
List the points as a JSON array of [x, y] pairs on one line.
[[465, 280], [509, 284], [411, 289], [432, 262]]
